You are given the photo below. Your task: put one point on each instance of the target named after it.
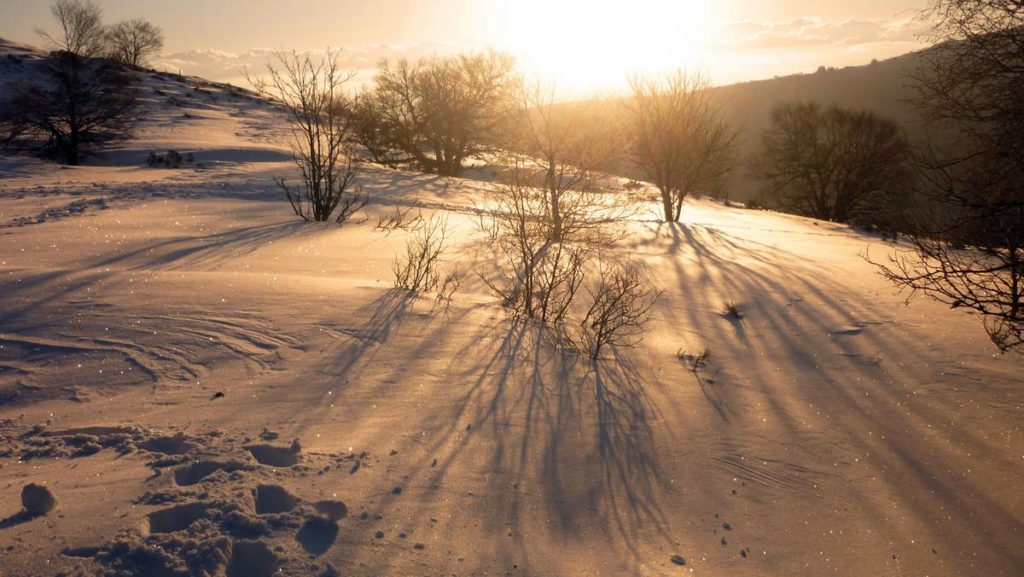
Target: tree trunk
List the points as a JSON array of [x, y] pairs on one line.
[[666, 203], [71, 155], [556, 215]]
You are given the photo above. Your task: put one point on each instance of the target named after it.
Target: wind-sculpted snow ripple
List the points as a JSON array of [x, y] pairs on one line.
[[102, 197]]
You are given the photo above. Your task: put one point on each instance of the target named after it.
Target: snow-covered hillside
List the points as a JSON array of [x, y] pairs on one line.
[[165, 335]]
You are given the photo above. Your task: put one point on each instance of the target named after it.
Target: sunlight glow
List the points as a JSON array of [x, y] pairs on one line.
[[593, 45]]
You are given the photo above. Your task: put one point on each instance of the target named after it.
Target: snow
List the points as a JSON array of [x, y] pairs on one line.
[[834, 430]]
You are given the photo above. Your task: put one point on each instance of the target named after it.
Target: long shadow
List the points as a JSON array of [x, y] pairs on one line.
[[579, 430], [36, 304], [384, 316], [869, 405], [17, 519], [45, 288], [208, 250], [626, 446]]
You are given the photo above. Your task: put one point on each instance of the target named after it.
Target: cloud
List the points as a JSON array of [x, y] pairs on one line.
[[742, 50], [228, 67], [810, 32], [748, 50]]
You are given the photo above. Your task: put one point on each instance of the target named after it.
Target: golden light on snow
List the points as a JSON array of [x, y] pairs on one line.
[[587, 45]]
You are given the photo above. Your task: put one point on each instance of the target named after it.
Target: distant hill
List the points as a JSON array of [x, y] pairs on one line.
[[882, 86]]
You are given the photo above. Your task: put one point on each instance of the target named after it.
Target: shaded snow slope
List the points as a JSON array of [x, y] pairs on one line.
[[216, 123]]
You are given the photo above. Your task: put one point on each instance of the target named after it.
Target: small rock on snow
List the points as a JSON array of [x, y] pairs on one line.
[[37, 499]]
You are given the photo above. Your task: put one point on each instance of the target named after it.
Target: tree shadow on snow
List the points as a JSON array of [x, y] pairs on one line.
[[788, 362], [547, 422]]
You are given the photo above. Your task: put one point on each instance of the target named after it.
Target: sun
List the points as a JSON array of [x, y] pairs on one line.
[[588, 45]]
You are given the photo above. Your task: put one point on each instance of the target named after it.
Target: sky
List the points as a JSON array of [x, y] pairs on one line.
[[586, 45]]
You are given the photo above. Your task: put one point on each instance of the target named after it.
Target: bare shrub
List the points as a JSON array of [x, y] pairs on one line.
[[312, 93], [620, 304], [696, 361], [417, 269], [171, 159], [399, 219], [542, 278], [989, 280], [733, 311], [451, 283], [538, 278]]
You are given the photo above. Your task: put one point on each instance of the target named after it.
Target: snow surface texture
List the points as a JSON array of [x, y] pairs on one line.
[[165, 335]]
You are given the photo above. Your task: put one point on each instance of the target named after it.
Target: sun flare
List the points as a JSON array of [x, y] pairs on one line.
[[587, 45]]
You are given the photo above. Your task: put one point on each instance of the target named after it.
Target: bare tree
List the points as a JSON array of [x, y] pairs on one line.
[[80, 28], [436, 113], [986, 276], [968, 246], [574, 146], [375, 133], [681, 139], [134, 42], [835, 164], [973, 75], [82, 104], [311, 91]]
